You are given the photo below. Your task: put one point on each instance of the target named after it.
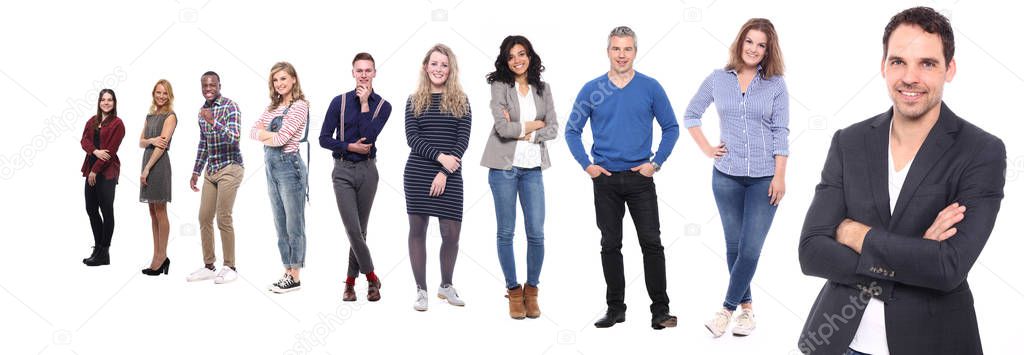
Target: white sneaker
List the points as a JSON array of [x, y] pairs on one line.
[[225, 275], [448, 293], [201, 275], [744, 323], [421, 301], [719, 322]]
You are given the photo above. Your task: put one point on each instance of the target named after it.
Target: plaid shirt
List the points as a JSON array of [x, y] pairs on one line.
[[218, 142]]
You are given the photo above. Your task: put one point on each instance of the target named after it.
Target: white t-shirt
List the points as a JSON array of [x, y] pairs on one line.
[[870, 337], [527, 152]]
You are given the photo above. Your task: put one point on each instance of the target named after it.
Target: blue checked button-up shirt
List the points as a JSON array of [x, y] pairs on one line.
[[218, 142], [754, 126]]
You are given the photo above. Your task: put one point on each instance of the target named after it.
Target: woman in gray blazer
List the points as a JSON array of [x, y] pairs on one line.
[[516, 152]]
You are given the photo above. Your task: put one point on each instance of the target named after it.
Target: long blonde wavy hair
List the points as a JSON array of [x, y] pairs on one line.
[[275, 98], [453, 99], [153, 108]]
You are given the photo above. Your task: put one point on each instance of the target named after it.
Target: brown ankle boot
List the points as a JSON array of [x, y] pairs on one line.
[[532, 308], [516, 309], [350, 293]]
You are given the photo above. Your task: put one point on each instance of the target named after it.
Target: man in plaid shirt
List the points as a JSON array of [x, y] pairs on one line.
[[219, 152]]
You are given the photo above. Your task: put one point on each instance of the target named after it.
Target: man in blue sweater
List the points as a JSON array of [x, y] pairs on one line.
[[622, 106]]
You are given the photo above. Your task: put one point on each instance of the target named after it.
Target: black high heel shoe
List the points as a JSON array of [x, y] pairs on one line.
[[163, 269]]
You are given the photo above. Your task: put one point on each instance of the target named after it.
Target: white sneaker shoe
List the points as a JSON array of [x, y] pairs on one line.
[[201, 275], [448, 293], [225, 275], [421, 301], [744, 323], [719, 322]]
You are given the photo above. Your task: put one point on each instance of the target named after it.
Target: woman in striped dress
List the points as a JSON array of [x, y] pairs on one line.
[[437, 126], [749, 176], [280, 129]]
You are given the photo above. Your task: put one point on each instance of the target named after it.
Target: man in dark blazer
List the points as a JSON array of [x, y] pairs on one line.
[[896, 254]]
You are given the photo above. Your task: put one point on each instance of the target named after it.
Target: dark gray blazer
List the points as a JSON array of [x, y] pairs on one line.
[[929, 308], [501, 144]]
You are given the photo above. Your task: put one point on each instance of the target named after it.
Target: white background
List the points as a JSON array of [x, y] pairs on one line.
[[56, 55]]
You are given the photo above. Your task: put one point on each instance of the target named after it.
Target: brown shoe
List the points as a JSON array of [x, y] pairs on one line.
[[532, 308], [350, 293], [516, 308], [373, 291]]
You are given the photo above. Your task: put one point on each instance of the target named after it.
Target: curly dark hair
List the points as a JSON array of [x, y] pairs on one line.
[[503, 74], [929, 20]]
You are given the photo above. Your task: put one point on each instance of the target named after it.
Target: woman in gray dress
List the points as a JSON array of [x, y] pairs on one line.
[[155, 181]]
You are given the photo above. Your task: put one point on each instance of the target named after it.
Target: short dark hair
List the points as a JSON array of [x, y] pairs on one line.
[[929, 20], [364, 56], [211, 73]]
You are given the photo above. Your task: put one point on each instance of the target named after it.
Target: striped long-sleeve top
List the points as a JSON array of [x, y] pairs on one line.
[[429, 135], [218, 142], [754, 125], [292, 127]]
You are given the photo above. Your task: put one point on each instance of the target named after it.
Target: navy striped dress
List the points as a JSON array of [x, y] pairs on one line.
[[432, 133]]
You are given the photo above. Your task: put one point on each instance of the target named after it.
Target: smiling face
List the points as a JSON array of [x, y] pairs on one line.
[[518, 60], [211, 87], [755, 44], [437, 69], [915, 71], [160, 95], [106, 103], [364, 72], [621, 52], [283, 83]]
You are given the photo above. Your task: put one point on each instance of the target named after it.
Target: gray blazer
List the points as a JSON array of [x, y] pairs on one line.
[[501, 144]]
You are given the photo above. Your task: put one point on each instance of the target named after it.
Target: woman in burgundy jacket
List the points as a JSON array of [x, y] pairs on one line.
[[100, 140]]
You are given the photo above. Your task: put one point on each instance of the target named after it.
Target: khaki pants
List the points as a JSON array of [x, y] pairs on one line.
[[218, 198]]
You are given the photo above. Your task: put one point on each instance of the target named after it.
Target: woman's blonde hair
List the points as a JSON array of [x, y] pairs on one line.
[[275, 98], [771, 63], [153, 107], [453, 99]]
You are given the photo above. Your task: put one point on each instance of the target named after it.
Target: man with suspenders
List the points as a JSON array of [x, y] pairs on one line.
[[350, 129]]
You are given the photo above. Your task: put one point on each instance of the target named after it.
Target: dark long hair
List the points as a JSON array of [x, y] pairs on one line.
[[98, 119], [503, 74]]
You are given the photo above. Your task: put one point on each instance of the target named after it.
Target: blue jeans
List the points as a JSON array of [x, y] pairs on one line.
[[528, 184], [746, 213], [286, 184]]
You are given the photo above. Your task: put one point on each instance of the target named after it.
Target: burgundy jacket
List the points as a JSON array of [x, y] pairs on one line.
[[111, 135]]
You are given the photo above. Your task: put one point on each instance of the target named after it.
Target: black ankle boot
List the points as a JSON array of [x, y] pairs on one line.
[[91, 256], [102, 257]]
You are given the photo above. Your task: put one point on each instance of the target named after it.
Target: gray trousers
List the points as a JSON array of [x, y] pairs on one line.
[[355, 185]]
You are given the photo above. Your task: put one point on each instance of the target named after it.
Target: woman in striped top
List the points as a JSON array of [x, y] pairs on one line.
[[280, 129], [749, 176], [437, 126]]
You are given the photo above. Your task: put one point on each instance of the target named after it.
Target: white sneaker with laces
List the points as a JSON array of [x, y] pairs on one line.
[[225, 275], [719, 322], [421, 301], [448, 293], [201, 274], [744, 323]]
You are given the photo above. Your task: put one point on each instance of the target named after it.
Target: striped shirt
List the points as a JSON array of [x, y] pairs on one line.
[[292, 127], [429, 135], [754, 125], [218, 142]]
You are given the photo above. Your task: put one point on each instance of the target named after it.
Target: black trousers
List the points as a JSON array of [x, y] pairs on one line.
[[99, 205], [612, 194]]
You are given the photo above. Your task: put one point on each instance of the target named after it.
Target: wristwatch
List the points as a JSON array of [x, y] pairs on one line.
[[657, 167]]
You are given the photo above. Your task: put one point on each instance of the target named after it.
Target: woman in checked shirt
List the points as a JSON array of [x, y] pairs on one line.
[[749, 175]]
